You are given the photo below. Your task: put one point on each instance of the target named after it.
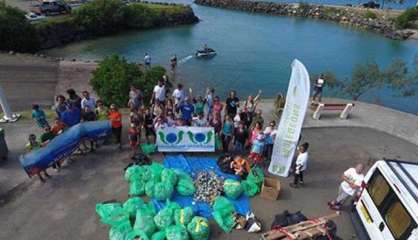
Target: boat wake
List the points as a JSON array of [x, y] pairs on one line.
[[185, 59]]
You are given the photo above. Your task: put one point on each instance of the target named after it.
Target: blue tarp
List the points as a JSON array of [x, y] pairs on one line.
[[63, 145], [193, 165]]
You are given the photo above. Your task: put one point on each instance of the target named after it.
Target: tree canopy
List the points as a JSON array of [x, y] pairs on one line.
[[16, 33], [399, 76], [114, 76]]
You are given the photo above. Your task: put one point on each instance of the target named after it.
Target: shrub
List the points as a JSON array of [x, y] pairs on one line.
[[407, 17], [101, 16], [16, 33], [370, 14], [114, 76], [112, 79]]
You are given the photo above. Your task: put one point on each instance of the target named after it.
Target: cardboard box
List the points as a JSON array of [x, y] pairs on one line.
[[270, 189]]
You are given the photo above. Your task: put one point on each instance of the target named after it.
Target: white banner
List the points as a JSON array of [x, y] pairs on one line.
[[291, 121], [186, 139]]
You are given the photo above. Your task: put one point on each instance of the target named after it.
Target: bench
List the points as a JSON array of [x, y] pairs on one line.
[[344, 108]]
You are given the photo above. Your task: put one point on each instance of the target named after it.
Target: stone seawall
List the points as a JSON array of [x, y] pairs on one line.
[[374, 20]]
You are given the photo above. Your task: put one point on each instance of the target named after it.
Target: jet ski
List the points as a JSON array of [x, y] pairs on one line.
[[205, 53]]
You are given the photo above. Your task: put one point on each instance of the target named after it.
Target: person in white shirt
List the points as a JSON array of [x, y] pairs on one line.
[[159, 92], [179, 95], [87, 101], [349, 187], [301, 165], [319, 84]]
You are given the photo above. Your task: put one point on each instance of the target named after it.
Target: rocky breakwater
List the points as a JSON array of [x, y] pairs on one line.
[[61, 31], [374, 20]]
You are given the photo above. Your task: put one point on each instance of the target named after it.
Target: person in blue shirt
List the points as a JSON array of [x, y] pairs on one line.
[[187, 110], [39, 116]]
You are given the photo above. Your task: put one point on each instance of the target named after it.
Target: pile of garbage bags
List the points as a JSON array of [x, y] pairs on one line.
[[135, 218], [158, 182]]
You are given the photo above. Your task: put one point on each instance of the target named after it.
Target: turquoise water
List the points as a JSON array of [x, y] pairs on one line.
[[254, 51]]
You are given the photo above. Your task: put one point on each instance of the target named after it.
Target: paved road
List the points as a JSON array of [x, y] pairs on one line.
[[63, 208]]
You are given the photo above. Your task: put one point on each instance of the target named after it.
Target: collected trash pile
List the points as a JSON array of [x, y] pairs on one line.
[[208, 187], [136, 219]]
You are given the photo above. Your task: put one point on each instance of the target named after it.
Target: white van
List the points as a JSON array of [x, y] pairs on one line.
[[388, 205]]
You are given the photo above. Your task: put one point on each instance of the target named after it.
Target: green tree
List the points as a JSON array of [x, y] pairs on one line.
[[101, 16], [113, 78], [407, 17], [16, 33], [367, 77]]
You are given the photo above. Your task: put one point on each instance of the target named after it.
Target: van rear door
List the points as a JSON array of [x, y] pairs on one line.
[[384, 215]]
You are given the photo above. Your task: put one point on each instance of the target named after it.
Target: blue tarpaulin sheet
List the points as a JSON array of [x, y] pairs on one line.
[[63, 145], [194, 165]]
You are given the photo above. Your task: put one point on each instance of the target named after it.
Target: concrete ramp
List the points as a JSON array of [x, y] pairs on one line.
[[27, 80]]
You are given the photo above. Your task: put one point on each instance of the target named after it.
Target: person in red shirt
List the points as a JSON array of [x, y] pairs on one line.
[[115, 118]]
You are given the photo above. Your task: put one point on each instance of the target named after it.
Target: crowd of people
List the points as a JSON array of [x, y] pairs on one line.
[[239, 126]]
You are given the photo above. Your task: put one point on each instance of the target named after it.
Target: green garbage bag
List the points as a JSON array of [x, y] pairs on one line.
[[115, 234], [149, 188], [183, 216], [158, 236], [136, 233], [136, 188], [164, 218], [223, 213], [177, 232], [198, 228], [134, 172], [250, 188], [182, 174], [256, 175], [156, 170], [111, 213], [148, 149], [225, 221], [163, 191], [148, 208], [132, 205], [147, 175], [145, 222], [185, 187], [232, 188], [106, 209], [223, 206], [169, 176]]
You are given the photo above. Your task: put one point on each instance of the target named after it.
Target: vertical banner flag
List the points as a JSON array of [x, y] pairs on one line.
[[291, 121]]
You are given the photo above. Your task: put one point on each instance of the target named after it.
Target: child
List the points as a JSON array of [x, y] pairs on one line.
[[39, 115], [227, 131], [58, 127], [257, 149], [33, 144], [240, 166], [301, 164], [133, 138]]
